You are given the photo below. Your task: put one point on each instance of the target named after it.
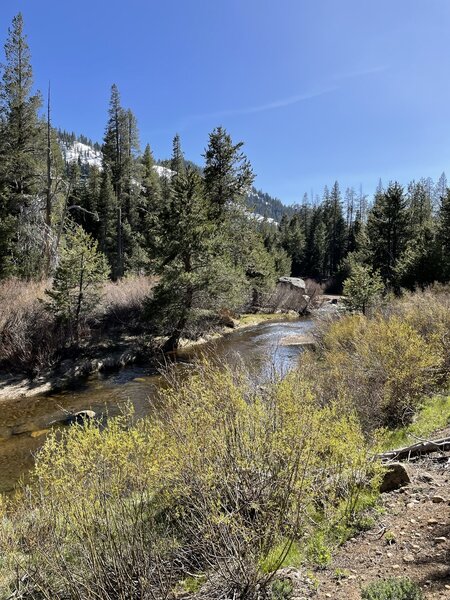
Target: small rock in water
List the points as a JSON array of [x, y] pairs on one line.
[[81, 416]]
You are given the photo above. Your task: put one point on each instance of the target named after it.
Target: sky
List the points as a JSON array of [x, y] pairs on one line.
[[318, 90]]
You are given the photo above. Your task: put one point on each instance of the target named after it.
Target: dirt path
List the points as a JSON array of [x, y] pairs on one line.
[[410, 539]]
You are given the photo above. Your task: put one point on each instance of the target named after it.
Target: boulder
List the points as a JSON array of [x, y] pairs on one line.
[[289, 295], [293, 282], [395, 477], [80, 417]]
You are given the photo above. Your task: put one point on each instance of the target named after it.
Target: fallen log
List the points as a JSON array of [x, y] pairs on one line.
[[425, 447]]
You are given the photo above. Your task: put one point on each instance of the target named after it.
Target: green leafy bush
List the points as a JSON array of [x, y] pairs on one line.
[[281, 589], [223, 477], [392, 589]]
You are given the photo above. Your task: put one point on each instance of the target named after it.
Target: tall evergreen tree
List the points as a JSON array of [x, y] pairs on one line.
[[107, 217], [120, 157], [387, 231], [335, 228], [196, 255], [228, 175], [177, 164], [21, 160], [418, 264], [443, 237], [21, 131]]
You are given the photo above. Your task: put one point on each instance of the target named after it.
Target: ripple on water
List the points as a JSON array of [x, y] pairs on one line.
[[25, 422]]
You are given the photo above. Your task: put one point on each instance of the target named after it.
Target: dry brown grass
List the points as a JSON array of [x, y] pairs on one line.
[[31, 338], [28, 337], [120, 298]]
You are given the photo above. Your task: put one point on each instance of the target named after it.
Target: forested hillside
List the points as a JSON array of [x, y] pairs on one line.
[[218, 479], [79, 212]]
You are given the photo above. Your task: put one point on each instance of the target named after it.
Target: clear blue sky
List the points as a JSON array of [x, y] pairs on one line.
[[318, 90]]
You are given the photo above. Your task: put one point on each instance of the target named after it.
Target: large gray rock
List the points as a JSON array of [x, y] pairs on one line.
[[293, 283], [289, 295], [395, 477]]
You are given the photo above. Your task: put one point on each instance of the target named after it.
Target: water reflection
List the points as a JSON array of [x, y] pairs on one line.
[[25, 421]]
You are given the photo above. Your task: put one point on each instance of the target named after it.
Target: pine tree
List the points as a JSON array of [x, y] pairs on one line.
[[335, 229], [130, 168], [228, 175], [387, 231], [177, 164], [151, 185], [107, 217], [21, 134], [443, 237], [21, 153], [113, 162], [292, 233], [120, 157], [363, 288], [150, 198], [316, 244], [196, 256], [81, 270]]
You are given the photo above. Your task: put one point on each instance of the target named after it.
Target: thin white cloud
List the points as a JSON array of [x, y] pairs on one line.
[[290, 101], [250, 110], [361, 73]]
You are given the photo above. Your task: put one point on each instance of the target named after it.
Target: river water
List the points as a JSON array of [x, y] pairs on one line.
[[260, 348]]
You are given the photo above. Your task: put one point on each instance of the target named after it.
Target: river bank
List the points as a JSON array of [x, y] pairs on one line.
[[113, 355], [25, 420]]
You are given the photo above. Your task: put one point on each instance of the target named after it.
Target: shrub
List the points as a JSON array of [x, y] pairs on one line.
[[392, 589], [428, 313], [29, 337], [123, 301], [223, 473], [383, 366], [281, 589]]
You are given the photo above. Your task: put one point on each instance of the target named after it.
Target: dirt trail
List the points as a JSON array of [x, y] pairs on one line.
[[410, 539]]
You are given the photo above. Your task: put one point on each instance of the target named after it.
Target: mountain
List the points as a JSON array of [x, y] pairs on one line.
[[79, 149], [81, 153], [268, 207], [87, 154]]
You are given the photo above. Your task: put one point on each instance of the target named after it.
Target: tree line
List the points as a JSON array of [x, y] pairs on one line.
[[189, 226], [403, 235], [182, 226]]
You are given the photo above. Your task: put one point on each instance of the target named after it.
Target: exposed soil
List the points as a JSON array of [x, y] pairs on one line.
[[410, 539]]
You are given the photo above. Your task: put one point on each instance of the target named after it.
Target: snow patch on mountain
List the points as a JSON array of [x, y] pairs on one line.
[[87, 155], [164, 171], [79, 152]]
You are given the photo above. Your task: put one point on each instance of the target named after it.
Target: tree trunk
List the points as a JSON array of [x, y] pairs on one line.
[[174, 340], [48, 206], [427, 447]]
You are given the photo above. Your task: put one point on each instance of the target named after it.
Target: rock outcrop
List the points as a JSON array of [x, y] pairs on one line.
[[289, 294], [395, 477]]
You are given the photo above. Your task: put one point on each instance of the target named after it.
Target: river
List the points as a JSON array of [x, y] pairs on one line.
[[260, 348]]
